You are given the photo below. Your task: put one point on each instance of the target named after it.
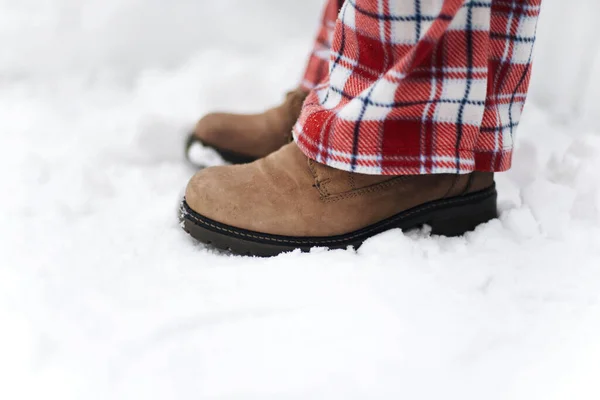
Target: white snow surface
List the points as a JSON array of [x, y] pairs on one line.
[[103, 296]]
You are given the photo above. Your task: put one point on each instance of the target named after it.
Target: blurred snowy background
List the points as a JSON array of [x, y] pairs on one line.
[[50, 38], [102, 296]]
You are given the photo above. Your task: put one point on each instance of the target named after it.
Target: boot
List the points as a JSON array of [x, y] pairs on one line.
[[243, 138], [286, 201]]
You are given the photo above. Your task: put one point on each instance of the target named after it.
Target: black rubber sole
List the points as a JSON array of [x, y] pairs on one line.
[[448, 217], [228, 156]]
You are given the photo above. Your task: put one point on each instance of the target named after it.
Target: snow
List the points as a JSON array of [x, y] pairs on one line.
[[103, 296]]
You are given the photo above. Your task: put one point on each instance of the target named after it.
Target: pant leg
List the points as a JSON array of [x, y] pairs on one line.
[[318, 62], [510, 51], [421, 86]]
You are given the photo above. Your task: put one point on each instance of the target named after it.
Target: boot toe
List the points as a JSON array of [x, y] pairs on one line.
[[215, 193], [202, 193], [208, 129]]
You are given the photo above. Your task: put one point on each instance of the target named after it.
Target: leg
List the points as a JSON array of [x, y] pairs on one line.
[[511, 41], [245, 138], [318, 62], [417, 112], [422, 87]]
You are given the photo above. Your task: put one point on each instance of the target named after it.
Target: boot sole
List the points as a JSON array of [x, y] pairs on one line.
[[447, 217]]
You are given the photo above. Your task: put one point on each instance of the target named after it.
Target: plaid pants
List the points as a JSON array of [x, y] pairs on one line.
[[402, 87]]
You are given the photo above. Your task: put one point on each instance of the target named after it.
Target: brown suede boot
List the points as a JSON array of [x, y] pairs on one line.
[[243, 138], [286, 201]]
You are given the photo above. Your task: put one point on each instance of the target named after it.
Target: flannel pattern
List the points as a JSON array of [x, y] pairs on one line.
[[418, 86], [318, 62]]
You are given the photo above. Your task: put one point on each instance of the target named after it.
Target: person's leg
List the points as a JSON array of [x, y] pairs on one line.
[[420, 87], [510, 55], [244, 138], [419, 95], [317, 68]]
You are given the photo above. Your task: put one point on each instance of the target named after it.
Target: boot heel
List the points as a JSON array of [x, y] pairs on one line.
[[458, 220]]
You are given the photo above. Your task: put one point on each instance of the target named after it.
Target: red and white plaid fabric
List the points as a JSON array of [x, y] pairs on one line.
[[318, 62], [418, 86]]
